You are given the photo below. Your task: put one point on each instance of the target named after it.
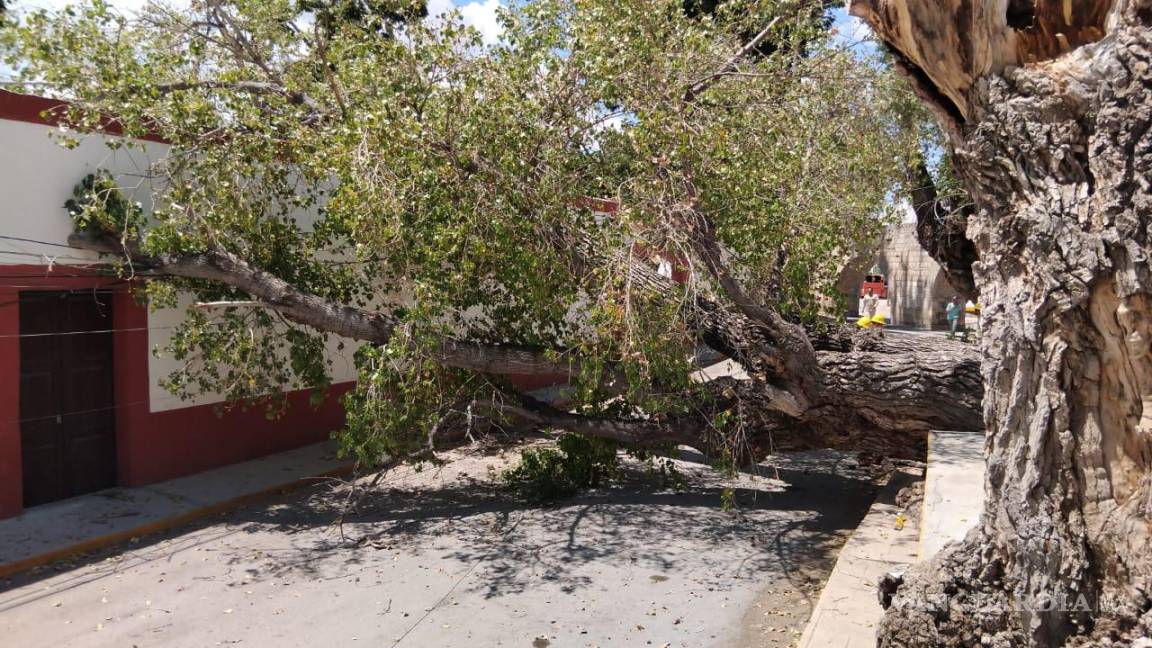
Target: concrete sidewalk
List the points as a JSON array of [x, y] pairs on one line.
[[80, 524], [953, 489], [848, 610]]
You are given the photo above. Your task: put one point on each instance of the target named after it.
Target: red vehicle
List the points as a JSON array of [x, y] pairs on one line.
[[877, 282]]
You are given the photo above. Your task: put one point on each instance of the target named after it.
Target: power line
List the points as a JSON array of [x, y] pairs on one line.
[[56, 275], [96, 332], [96, 263], [104, 287], [41, 255], [134, 329], [39, 242], [119, 406], [70, 247], [94, 410]]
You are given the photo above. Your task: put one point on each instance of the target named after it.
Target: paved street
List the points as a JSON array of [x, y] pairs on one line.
[[440, 558]]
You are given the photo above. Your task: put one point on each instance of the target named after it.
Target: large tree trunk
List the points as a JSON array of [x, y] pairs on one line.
[[1052, 139], [880, 397]]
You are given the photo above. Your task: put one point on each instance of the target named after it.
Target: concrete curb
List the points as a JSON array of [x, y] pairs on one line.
[[924, 501], [164, 524], [953, 489], [846, 614]]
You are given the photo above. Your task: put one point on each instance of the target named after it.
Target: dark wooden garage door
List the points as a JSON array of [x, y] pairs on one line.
[[68, 430]]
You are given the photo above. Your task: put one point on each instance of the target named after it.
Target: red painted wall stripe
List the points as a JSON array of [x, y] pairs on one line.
[[49, 112], [11, 484]]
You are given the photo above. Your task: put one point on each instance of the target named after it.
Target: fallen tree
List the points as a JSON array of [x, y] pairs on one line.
[[393, 181], [861, 390], [1047, 105]]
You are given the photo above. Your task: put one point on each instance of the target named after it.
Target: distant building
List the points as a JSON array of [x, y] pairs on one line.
[[917, 290], [669, 264]]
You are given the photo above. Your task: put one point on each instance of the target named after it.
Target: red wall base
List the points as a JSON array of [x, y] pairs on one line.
[[157, 446], [150, 446], [154, 446]]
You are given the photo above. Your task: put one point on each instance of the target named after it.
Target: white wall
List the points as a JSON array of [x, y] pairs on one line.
[[37, 175], [163, 322]]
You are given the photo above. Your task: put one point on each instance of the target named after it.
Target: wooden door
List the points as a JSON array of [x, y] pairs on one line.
[[67, 411]]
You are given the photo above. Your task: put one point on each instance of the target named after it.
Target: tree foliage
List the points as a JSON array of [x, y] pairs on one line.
[[392, 162]]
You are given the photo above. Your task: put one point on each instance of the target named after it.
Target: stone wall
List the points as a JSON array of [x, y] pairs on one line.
[[917, 289]]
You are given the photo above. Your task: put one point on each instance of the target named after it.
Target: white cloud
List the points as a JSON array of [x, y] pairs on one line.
[[438, 7], [480, 14], [860, 30]]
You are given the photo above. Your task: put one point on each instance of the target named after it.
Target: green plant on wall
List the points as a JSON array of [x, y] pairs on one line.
[[98, 206]]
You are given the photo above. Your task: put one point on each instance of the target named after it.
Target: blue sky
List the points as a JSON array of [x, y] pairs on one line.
[[853, 32]]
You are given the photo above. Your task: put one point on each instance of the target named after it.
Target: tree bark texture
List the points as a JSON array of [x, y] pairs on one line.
[[1050, 108]]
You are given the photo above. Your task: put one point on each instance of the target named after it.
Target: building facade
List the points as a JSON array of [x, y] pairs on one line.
[[81, 406]]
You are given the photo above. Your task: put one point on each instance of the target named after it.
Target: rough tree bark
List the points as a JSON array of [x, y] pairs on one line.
[[1049, 109]]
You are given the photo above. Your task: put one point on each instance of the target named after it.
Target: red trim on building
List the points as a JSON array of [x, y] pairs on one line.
[[28, 108], [49, 112], [681, 271], [11, 470], [151, 446], [680, 268]]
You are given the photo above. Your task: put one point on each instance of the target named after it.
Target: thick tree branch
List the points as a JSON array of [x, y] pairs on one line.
[[273, 292], [730, 66], [879, 394], [935, 388], [252, 87], [324, 314], [941, 226], [748, 341], [771, 349], [633, 432]]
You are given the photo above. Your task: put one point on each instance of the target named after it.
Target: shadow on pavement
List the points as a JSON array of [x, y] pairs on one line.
[[790, 518]]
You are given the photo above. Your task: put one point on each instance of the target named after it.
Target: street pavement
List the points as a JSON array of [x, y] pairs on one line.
[[440, 557]]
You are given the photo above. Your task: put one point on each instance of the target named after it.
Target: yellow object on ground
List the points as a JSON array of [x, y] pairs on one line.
[[879, 320], [864, 322]]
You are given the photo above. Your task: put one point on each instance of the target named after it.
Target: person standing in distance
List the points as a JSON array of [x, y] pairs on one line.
[[870, 302], [954, 311]]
